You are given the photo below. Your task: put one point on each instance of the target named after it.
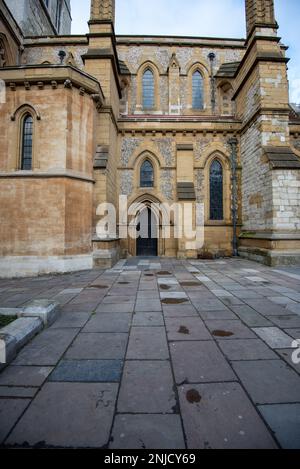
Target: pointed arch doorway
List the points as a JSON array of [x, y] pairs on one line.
[[147, 234]]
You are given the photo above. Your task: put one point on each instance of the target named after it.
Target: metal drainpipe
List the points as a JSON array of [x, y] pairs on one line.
[[234, 197], [212, 57]]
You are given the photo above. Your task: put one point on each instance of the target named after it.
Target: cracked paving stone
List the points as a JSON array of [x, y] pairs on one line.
[[69, 415], [147, 432], [147, 387], [222, 418]]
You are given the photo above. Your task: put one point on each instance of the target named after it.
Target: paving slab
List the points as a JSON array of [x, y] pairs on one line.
[[147, 344], [274, 337], [292, 320], [112, 322], [175, 311], [292, 357], [10, 411], [148, 306], [147, 432], [96, 346], [269, 382], [186, 329], [116, 308], [47, 348], [17, 392], [221, 314], [32, 376], [147, 387], [221, 416], [229, 330], [199, 362], [267, 308], [295, 333], [250, 317], [294, 308], [209, 305], [75, 415], [148, 319], [71, 320], [88, 371], [284, 420], [246, 349]]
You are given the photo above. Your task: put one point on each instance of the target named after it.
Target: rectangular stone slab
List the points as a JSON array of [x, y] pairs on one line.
[[69, 415], [221, 416], [284, 420], [269, 381], [147, 387], [147, 431], [199, 362], [89, 371], [274, 337]]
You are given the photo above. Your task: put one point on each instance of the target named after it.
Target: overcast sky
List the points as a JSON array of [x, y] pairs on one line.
[[219, 18]]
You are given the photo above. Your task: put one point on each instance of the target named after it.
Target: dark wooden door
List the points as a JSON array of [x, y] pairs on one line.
[[146, 246]]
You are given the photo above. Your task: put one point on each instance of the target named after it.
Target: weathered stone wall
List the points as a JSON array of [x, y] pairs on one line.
[[35, 19], [286, 200], [160, 56], [49, 53], [256, 183], [47, 211]]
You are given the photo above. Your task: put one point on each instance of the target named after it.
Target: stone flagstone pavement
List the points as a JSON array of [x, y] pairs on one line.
[[158, 353]]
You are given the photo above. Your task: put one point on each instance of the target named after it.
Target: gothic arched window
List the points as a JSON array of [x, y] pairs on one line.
[[26, 142], [197, 86], [147, 174], [148, 90], [216, 191]]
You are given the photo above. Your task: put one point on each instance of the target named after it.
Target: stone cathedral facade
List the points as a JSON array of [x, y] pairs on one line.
[[85, 119]]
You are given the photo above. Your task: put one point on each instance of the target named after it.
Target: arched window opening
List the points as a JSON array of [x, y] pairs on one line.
[[148, 90], [3, 58], [26, 144], [198, 89], [216, 191], [147, 174]]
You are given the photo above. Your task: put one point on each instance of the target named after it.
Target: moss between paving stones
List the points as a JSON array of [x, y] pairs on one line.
[[6, 320]]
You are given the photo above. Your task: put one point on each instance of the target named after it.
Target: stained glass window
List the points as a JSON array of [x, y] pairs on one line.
[[148, 90], [216, 191], [147, 174], [27, 133], [197, 90]]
